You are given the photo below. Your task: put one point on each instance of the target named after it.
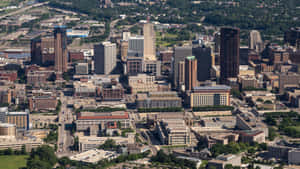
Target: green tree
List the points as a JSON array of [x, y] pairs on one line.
[[8, 151]]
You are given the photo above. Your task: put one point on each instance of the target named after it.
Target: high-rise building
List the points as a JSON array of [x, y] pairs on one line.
[[60, 49], [255, 41], [136, 46], [179, 55], [181, 74], [292, 37], [105, 58], [190, 72], [149, 42], [42, 51], [204, 57], [124, 50], [230, 53]]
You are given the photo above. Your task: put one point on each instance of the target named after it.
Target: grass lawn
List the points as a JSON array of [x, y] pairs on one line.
[[13, 161]]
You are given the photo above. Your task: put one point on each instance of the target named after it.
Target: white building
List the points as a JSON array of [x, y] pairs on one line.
[[105, 57]]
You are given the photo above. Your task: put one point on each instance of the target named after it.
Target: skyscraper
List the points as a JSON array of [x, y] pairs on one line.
[[190, 72], [179, 55], [124, 50], [204, 58], [229, 53], [60, 49], [255, 41], [105, 58], [149, 42]]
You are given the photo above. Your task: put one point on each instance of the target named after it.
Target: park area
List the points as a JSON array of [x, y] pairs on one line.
[[13, 161]]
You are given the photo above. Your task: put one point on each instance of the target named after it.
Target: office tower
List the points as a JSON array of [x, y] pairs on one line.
[[179, 55], [60, 49], [181, 74], [124, 50], [136, 46], [292, 37], [149, 42], [105, 58], [42, 51], [255, 41], [244, 55], [230, 53], [190, 72], [204, 58]]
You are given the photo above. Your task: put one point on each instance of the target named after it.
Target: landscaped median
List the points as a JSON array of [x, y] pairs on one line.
[[213, 108]]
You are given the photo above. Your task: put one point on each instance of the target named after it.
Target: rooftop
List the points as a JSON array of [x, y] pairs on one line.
[[190, 57], [94, 115], [95, 155], [217, 87]]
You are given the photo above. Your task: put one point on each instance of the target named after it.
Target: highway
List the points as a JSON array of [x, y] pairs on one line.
[[23, 9]]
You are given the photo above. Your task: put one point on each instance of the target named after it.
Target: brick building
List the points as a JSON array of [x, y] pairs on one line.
[[40, 103]]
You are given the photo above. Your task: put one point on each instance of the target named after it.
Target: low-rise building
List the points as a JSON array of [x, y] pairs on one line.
[[174, 132], [42, 103], [90, 142], [94, 155], [8, 75], [38, 78], [111, 92], [142, 83], [20, 119], [221, 122], [221, 161], [5, 95], [96, 122], [76, 56], [249, 136], [158, 100], [247, 121], [82, 68], [84, 89], [17, 144]]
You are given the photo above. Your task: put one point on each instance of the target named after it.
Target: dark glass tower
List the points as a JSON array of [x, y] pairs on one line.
[[229, 53]]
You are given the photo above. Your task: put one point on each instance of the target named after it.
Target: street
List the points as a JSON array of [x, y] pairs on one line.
[[65, 139]]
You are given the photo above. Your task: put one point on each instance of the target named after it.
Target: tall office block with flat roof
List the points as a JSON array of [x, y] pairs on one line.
[[105, 58], [205, 60], [60, 49], [230, 53], [149, 41], [190, 72], [179, 55]]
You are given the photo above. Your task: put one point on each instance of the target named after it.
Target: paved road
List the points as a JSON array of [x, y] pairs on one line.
[[23, 9], [65, 139], [112, 25]]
